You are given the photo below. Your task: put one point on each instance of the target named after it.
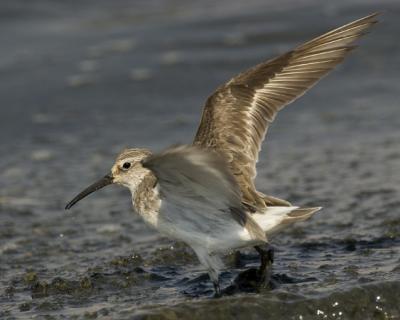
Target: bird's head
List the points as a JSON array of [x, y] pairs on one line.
[[127, 171]]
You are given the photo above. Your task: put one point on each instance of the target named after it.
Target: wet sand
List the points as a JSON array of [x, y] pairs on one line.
[[81, 81]]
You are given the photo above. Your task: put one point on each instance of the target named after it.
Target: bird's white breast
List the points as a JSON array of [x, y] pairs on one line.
[[202, 226]]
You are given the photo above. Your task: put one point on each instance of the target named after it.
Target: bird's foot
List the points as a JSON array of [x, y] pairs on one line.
[[264, 272]]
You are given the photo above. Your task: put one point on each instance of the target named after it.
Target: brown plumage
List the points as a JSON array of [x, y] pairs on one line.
[[204, 194], [236, 117]]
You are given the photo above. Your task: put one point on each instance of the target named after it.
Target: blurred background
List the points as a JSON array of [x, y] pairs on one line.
[[81, 80]]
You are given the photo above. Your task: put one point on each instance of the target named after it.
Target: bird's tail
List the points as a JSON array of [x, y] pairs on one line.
[[274, 219]]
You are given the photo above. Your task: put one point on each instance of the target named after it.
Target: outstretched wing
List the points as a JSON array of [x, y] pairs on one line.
[[236, 117], [191, 177]]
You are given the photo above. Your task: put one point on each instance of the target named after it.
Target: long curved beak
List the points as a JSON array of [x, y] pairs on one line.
[[105, 181]]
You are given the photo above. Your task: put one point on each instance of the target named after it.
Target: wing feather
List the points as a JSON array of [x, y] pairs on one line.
[[192, 177], [236, 117]]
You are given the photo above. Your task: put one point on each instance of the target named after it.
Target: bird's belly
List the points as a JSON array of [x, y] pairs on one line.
[[208, 228]]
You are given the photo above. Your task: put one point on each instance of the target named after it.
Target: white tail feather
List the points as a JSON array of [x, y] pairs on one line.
[[274, 219]]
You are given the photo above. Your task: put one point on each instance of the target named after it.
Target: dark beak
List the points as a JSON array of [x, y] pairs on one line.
[[105, 181]]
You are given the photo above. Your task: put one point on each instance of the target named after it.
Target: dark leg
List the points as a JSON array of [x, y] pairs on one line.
[[217, 289], [267, 258], [238, 259]]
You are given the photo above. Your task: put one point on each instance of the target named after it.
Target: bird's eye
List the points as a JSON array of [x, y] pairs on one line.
[[126, 165]]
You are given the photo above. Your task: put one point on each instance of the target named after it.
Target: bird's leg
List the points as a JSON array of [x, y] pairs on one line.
[[217, 289], [213, 263], [267, 258]]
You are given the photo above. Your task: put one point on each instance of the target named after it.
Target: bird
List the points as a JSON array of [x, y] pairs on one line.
[[204, 194]]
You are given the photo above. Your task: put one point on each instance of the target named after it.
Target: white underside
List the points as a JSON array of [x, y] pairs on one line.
[[210, 229]]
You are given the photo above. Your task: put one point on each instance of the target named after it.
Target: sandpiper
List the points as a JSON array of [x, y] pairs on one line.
[[204, 194]]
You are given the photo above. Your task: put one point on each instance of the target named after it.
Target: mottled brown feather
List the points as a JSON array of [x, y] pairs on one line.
[[236, 117]]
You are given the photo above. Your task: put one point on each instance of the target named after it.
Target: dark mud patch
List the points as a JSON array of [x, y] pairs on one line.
[[374, 301]]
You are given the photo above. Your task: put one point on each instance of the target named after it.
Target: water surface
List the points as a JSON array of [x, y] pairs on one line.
[[81, 80]]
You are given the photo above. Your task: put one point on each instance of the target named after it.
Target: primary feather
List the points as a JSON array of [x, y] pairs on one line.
[[236, 117]]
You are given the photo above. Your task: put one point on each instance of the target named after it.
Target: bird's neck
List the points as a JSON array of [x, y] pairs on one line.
[[145, 198]]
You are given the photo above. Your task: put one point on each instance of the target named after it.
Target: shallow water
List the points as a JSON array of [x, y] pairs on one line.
[[80, 81]]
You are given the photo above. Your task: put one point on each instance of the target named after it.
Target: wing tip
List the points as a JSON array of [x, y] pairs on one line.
[[369, 19], [374, 14]]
